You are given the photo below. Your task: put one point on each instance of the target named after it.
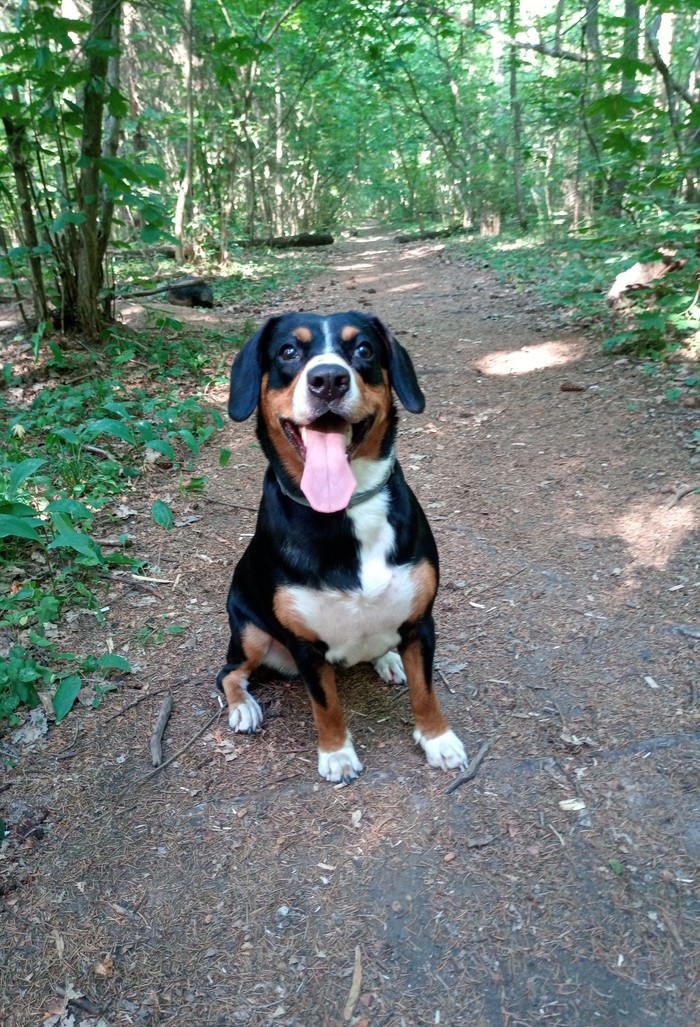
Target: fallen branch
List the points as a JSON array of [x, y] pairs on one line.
[[288, 242], [437, 233], [162, 288], [132, 787], [356, 986], [473, 767], [682, 492], [162, 719], [148, 696]]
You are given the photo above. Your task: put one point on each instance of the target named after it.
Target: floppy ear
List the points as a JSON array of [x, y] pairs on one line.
[[246, 377], [401, 372]]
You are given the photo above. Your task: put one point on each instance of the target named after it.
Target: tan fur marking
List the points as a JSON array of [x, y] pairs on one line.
[[302, 334], [330, 719], [255, 644], [424, 702], [349, 333], [289, 617], [424, 581], [276, 404], [376, 399]]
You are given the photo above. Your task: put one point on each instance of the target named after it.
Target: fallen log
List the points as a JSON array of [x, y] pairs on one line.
[[641, 275], [436, 233], [186, 292], [289, 242]]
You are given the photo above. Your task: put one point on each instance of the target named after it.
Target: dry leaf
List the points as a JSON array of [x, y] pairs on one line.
[[572, 804], [104, 968]]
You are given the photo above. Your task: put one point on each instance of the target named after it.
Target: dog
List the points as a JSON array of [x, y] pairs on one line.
[[343, 566]]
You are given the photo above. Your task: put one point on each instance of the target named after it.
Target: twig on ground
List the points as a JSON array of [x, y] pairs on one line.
[[79, 1001], [150, 695], [136, 583], [101, 452], [682, 492], [137, 784], [473, 767], [356, 986], [61, 754], [158, 728], [444, 680]]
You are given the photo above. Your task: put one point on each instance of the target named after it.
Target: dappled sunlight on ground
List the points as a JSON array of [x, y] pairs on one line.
[[653, 533], [405, 287], [530, 358]]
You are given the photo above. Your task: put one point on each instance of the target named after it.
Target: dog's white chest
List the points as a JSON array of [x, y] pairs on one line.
[[362, 624]]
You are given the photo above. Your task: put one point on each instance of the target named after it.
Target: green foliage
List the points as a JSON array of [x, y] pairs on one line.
[[64, 459], [574, 272]]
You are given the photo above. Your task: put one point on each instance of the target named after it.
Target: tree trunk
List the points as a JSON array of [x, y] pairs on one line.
[[16, 145], [628, 82], [90, 271], [517, 121], [186, 184]]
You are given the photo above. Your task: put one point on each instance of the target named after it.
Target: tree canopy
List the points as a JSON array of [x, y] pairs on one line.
[[213, 120]]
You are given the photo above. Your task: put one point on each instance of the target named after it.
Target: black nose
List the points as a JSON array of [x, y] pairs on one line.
[[328, 381]]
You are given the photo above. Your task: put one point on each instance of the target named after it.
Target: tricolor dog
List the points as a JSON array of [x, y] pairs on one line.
[[343, 566]]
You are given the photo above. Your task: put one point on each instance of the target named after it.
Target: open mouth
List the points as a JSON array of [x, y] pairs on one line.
[[326, 446], [330, 424]]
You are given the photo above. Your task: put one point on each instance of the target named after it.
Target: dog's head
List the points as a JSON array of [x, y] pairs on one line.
[[322, 386]]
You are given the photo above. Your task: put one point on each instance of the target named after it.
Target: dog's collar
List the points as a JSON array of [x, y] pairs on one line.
[[357, 497]]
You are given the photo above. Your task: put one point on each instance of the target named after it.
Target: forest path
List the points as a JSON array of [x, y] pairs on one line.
[[558, 887]]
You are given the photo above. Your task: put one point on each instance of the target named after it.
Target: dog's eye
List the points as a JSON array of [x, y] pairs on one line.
[[364, 351], [288, 352]]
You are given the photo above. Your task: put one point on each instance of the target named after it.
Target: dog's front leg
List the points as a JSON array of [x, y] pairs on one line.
[[337, 759], [440, 744]]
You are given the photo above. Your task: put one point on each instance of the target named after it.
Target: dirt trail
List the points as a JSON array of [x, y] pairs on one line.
[[560, 886]]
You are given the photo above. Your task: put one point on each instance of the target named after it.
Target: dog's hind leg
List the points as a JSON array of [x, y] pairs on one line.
[[390, 668]]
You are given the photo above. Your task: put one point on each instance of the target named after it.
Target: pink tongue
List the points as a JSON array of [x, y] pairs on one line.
[[327, 482]]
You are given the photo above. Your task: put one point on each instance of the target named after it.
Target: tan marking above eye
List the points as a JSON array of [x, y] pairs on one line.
[[349, 333], [302, 334]]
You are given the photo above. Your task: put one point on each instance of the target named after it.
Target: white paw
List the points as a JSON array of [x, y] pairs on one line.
[[445, 751], [390, 668], [341, 765], [246, 717]]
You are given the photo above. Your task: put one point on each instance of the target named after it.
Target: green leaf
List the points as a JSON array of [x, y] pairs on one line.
[[70, 506], [67, 434], [224, 456], [48, 610], [79, 542], [65, 696], [616, 866], [68, 217], [162, 446], [19, 527], [162, 515], [112, 661], [108, 426], [189, 439], [19, 474]]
